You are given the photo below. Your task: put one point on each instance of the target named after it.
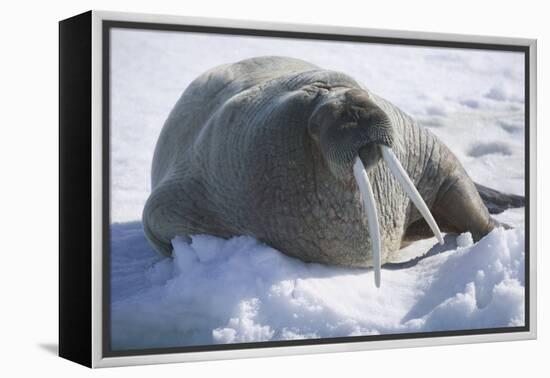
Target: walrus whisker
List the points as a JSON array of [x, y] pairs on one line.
[[369, 206], [401, 175]]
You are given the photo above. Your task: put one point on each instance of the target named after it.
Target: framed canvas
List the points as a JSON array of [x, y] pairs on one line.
[[232, 189]]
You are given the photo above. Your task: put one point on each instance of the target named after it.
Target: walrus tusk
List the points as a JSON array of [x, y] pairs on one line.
[[401, 175], [372, 216]]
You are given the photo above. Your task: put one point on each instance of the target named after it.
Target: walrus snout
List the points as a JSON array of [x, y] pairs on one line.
[[349, 124], [370, 155]]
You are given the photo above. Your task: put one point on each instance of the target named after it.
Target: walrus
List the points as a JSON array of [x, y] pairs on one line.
[[310, 162]]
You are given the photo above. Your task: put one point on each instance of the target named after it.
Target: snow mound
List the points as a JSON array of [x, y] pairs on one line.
[[240, 290]]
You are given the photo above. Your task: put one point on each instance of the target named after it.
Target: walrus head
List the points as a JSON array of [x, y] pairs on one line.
[[354, 135], [347, 124]]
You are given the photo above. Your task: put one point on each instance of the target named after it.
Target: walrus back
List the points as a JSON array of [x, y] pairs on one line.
[[204, 96]]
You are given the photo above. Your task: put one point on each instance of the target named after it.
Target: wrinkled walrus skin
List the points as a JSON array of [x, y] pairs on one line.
[[264, 148]]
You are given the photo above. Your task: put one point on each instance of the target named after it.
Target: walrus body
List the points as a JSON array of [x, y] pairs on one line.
[[263, 148]]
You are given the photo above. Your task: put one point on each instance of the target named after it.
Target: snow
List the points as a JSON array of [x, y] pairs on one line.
[[239, 290]]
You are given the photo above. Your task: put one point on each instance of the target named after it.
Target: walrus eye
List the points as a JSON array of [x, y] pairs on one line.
[[369, 204]]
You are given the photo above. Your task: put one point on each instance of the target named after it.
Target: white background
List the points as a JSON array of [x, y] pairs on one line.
[[29, 190]]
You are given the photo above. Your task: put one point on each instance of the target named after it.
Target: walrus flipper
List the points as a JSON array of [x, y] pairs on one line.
[[497, 202], [457, 213]]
